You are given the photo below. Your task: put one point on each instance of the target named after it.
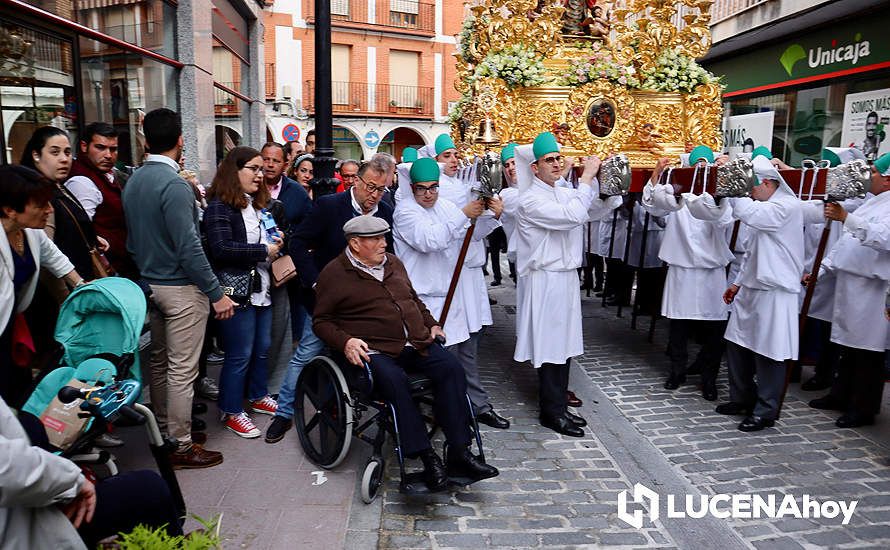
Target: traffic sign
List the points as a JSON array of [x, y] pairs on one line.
[[372, 138], [290, 132]]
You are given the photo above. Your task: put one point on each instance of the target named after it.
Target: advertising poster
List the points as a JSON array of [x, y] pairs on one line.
[[742, 133], [866, 119]]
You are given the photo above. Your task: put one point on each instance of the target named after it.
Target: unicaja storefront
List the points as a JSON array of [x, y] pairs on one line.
[[828, 86]]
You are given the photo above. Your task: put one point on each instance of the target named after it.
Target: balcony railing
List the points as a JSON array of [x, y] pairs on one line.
[[408, 15], [224, 103], [271, 89], [360, 98], [723, 9]]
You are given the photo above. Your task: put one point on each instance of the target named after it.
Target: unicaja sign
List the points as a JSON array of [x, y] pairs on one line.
[[724, 506], [820, 56]]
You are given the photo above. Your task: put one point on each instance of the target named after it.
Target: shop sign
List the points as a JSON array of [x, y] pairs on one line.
[[857, 44], [743, 133], [866, 118]]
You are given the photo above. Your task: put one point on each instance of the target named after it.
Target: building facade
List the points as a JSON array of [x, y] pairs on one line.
[[71, 62], [392, 72], [802, 75]]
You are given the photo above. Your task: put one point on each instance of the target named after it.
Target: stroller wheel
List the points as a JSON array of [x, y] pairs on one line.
[[372, 479]]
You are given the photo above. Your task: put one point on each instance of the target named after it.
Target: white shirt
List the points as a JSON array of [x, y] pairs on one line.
[[255, 234], [87, 193], [357, 207]]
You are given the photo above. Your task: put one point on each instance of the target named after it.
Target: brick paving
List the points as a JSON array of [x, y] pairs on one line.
[[559, 492]]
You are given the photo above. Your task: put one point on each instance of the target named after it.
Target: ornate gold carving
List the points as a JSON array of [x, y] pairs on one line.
[[581, 137], [704, 111], [647, 124]]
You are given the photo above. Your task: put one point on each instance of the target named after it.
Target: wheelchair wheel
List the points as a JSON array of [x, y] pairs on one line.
[[322, 413], [372, 479]]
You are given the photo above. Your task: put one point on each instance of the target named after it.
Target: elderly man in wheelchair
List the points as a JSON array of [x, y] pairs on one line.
[[367, 308]]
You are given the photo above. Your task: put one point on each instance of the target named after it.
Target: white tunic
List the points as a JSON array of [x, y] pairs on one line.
[[764, 317], [510, 196], [861, 262], [822, 304], [471, 287], [425, 242], [697, 253], [548, 251]]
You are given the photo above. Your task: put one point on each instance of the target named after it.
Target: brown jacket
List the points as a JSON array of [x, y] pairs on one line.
[[352, 304]]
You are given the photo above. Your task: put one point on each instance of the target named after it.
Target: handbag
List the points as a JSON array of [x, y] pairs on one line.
[[101, 266], [283, 270], [238, 284]]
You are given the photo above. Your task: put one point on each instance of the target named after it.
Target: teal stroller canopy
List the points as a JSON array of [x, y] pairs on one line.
[[103, 317]]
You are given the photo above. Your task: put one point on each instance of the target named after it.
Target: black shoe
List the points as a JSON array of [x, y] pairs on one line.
[[562, 426], [674, 380], [816, 383], [198, 425], [276, 430], [492, 301], [709, 391], [733, 408], [827, 403], [496, 283], [493, 419], [693, 368], [576, 420], [755, 424], [463, 463], [434, 474], [598, 287], [199, 408], [854, 420]]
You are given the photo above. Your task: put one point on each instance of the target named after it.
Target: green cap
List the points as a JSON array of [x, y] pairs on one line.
[[701, 152], [831, 156], [409, 154], [423, 170], [543, 144], [444, 143], [507, 152], [882, 165], [840, 155], [761, 151]]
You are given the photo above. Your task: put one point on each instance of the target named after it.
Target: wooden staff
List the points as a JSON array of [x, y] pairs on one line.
[[805, 308], [456, 275]]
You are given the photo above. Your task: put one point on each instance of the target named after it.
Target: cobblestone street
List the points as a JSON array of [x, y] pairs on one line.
[[561, 492]]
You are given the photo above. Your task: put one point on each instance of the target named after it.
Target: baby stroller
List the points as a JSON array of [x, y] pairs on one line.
[[99, 327]]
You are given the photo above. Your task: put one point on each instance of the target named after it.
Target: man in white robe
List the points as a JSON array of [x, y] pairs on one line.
[[860, 262], [818, 325], [762, 332], [510, 196], [548, 234], [429, 231], [697, 253]]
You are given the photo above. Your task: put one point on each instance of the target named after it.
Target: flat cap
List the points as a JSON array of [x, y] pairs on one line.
[[365, 226]]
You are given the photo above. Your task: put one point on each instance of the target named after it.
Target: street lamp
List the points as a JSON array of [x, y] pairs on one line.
[[323, 164], [96, 73]]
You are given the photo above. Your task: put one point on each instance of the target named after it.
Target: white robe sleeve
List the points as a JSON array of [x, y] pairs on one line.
[[765, 216], [424, 234], [813, 212], [872, 234], [704, 207], [550, 214], [659, 200], [485, 224]]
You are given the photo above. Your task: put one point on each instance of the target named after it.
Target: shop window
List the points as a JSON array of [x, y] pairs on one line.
[[228, 111], [149, 25], [119, 88]]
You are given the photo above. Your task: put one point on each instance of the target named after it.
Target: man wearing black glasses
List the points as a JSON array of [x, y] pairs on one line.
[[313, 244]]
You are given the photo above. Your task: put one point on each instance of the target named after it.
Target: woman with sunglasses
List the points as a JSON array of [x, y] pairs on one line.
[[241, 253]]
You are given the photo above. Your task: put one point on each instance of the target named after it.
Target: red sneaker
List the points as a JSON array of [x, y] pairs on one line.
[[266, 405], [242, 425]]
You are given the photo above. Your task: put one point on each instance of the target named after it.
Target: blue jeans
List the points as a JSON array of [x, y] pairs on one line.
[[246, 338], [310, 346]]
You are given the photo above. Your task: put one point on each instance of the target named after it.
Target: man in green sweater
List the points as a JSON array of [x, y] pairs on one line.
[[164, 239]]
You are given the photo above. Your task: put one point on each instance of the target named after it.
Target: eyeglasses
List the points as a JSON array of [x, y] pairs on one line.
[[420, 190], [254, 169], [551, 160], [371, 188]]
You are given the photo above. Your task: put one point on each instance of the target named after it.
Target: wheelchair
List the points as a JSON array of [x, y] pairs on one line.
[[335, 404]]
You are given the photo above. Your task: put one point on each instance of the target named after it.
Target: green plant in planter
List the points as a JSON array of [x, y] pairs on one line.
[[145, 538]]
